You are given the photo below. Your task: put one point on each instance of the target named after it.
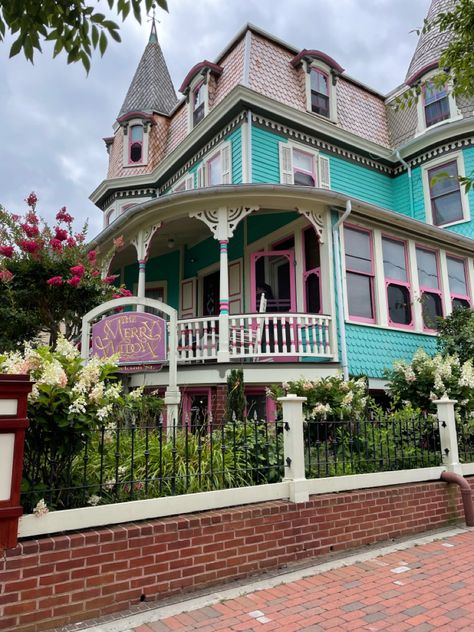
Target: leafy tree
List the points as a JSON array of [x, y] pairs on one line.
[[456, 334], [48, 277], [74, 26]]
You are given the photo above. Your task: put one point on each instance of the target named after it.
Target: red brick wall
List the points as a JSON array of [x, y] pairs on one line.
[[58, 580]]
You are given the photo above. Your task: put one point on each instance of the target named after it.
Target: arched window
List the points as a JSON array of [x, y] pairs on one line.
[[135, 144]]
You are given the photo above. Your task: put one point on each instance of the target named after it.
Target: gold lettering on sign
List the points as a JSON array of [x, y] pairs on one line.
[[131, 336]]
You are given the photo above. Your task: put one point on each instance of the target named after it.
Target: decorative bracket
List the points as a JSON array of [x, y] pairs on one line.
[[142, 240], [316, 219], [223, 221]]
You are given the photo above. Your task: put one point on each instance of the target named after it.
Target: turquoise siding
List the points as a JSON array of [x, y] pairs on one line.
[[260, 225], [371, 349], [236, 150], [401, 194], [265, 156], [206, 252], [362, 183], [162, 268]]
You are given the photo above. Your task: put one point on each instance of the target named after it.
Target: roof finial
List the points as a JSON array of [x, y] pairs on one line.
[[153, 33]]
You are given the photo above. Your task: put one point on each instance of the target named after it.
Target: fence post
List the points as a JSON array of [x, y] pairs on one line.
[[448, 435], [293, 446]]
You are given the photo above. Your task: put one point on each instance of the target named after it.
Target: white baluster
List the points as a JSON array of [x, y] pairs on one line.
[[292, 335]]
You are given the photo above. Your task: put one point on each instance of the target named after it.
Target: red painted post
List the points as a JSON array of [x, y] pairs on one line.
[[14, 391]]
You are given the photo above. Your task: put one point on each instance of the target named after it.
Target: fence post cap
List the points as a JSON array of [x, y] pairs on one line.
[[445, 400], [292, 397]]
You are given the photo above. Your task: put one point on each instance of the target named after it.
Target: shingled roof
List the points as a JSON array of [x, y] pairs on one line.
[[431, 43], [151, 89]]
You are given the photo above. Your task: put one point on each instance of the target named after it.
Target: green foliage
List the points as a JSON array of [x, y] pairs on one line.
[[76, 28], [327, 397], [236, 402], [426, 379], [456, 334]]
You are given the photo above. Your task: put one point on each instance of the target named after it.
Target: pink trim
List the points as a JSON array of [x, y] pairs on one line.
[[307, 273], [316, 54], [253, 281], [270, 404], [371, 274], [406, 284], [136, 114], [423, 71], [464, 297], [431, 290], [202, 65]]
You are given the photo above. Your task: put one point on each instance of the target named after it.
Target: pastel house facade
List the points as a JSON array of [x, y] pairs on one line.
[[292, 215]]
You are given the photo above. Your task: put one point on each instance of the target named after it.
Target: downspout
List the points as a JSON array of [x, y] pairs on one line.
[[466, 494], [339, 290], [410, 183]]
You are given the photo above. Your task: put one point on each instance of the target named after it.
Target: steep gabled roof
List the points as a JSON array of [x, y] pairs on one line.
[[151, 89], [431, 43]]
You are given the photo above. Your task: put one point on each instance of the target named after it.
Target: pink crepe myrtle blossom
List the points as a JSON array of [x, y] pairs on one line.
[[95, 273], [74, 281], [60, 233], [32, 218], [63, 216], [79, 237], [122, 292], [78, 270], [29, 245], [6, 251], [31, 230], [55, 280], [56, 245], [32, 199], [92, 255], [108, 280], [6, 276], [71, 242]]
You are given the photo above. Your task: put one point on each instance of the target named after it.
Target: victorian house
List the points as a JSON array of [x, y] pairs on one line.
[[290, 213]]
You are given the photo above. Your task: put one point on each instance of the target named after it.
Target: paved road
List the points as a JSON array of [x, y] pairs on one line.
[[422, 585]]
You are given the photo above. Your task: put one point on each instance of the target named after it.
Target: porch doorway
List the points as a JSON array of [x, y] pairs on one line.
[[273, 272], [196, 410], [210, 294]]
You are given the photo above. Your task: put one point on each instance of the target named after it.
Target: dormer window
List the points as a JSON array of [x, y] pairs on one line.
[[436, 103], [198, 102], [135, 144], [319, 82]]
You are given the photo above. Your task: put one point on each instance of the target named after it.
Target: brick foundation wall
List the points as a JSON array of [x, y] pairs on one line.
[[57, 580]]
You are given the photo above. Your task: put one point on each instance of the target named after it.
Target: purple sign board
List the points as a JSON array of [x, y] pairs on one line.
[[137, 337]]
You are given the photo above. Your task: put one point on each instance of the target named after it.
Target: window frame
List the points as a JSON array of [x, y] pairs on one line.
[[314, 161], [127, 142], [324, 69], [454, 112], [391, 281], [370, 275], [320, 71], [200, 85], [132, 142], [321, 165], [423, 289], [203, 168], [425, 105], [183, 183], [197, 83], [454, 295], [445, 160]]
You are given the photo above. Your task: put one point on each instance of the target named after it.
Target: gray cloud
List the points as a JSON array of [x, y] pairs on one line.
[[54, 116]]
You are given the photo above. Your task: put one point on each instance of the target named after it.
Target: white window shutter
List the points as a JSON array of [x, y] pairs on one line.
[[189, 182], [324, 175], [226, 164], [201, 176], [286, 164]]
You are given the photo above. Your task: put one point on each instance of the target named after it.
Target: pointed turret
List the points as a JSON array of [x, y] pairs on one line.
[[151, 89], [431, 43]]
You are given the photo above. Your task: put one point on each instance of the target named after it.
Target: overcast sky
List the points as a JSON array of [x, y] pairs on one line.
[[54, 116]]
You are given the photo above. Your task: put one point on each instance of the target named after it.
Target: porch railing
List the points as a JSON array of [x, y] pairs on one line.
[[255, 336]]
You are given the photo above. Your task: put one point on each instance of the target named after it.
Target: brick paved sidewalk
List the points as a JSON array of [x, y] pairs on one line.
[[426, 587]]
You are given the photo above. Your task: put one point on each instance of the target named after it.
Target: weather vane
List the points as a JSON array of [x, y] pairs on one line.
[[153, 19]]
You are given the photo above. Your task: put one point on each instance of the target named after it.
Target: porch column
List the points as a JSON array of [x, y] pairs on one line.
[[142, 241], [223, 351], [141, 282]]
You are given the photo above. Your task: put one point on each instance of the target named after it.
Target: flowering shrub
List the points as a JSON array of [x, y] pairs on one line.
[[67, 401], [48, 276], [426, 379], [327, 397]]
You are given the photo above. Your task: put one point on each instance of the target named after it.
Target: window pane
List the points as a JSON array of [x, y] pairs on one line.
[[399, 308], [456, 276], [302, 160], [394, 262], [359, 296], [358, 251], [427, 268], [447, 208], [136, 152], [319, 103], [437, 111], [431, 308], [443, 179], [199, 96], [460, 302], [311, 250], [198, 114], [319, 82], [215, 170], [136, 133], [313, 299], [304, 179]]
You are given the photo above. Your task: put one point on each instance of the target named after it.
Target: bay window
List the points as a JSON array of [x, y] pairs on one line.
[[397, 282], [430, 290], [360, 274]]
